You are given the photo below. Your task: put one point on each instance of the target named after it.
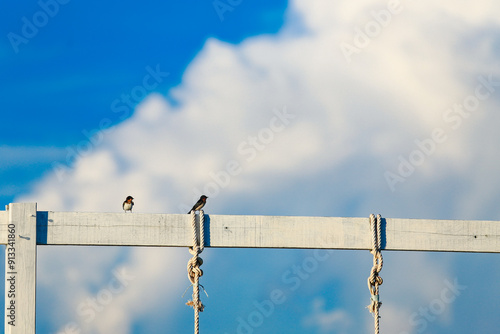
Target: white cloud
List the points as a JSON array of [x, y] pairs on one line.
[[333, 321], [352, 122]]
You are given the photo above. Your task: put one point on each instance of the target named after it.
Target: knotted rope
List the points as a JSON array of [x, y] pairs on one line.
[[193, 268], [375, 280]]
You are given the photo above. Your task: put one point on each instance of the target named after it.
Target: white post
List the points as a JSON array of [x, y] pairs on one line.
[[20, 269]]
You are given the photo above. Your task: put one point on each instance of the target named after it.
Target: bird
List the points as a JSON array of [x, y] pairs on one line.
[[128, 204], [200, 204]]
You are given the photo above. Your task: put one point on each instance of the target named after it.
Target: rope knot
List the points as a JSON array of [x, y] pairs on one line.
[[194, 269], [375, 280]]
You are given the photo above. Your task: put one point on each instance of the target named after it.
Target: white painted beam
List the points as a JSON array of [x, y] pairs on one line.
[[443, 235], [136, 229], [4, 219], [20, 269]]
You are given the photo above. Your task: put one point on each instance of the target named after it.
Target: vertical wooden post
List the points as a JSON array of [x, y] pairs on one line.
[[20, 269]]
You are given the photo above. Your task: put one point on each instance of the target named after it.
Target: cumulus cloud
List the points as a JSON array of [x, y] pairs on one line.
[[327, 321], [290, 124], [395, 91]]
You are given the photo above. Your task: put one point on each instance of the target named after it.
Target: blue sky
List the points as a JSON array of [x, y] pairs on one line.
[[326, 109], [62, 81]]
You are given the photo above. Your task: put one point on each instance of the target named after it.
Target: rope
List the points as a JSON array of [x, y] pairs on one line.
[[375, 280], [193, 268]]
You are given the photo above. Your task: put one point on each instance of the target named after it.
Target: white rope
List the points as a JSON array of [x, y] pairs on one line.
[[375, 280], [194, 270]]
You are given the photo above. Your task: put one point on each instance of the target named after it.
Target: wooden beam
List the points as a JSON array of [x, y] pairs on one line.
[[136, 229], [443, 235], [20, 269], [4, 221]]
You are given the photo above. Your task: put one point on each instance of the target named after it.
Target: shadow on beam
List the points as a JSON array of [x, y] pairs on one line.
[[42, 221]]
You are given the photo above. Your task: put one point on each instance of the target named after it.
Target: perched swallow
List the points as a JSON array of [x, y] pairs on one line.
[[128, 204], [200, 204]]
